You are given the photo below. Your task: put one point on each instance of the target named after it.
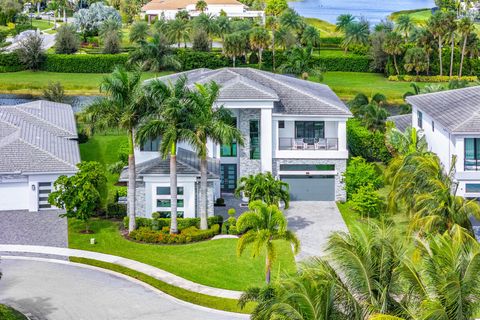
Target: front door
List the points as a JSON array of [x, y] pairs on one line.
[[228, 177], [44, 190]]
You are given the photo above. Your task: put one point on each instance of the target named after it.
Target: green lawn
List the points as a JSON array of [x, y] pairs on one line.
[[419, 16], [8, 313], [213, 262], [29, 82], [328, 53], [43, 24], [326, 28]]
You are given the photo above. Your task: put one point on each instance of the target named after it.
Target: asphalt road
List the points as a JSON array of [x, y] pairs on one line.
[[46, 290]]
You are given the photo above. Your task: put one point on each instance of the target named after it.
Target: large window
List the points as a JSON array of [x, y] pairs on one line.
[[309, 130], [151, 145], [420, 119], [167, 203], [254, 139], [228, 177], [165, 191], [229, 150], [163, 201], [472, 154], [472, 187]]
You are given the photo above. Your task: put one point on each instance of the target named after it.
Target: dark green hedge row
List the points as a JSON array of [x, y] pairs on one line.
[[365, 143], [83, 63], [330, 41], [9, 60], [196, 59]]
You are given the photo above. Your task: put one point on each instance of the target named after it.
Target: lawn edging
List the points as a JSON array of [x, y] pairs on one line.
[[224, 304]]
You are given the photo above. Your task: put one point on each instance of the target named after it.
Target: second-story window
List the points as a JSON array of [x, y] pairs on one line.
[[420, 119], [472, 154], [254, 139]]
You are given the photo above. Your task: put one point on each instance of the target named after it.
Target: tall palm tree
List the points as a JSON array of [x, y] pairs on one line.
[[170, 119], [178, 31], [264, 187], [356, 33], [343, 21], [201, 5], [233, 46], [139, 32], [273, 10], [465, 27], [452, 30], [393, 47], [262, 225], [259, 40], [405, 25], [214, 124], [415, 59], [311, 37], [207, 23], [438, 25], [154, 54], [424, 39], [122, 107], [292, 21], [224, 26]]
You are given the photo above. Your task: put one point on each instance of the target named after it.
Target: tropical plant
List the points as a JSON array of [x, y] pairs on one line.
[[178, 31], [438, 25], [123, 107], [210, 123], [66, 40], [343, 21], [374, 117], [171, 119], [360, 173], [405, 25], [291, 20], [425, 40], [273, 10], [201, 5], [415, 59], [88, 21], [361, 100], [54, 92], [393, 46], [233, 46], [264, 187], [259, 40], [224, 26], [200, 41], [262, 225], [311, 37], [367, 202], [404, 143], [465, 27], [154, 55], [300, 62], [356, 33], [139, 32], [207, 23]]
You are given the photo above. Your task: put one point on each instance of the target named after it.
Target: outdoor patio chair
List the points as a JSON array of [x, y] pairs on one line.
[[320, 143], [299, 144]]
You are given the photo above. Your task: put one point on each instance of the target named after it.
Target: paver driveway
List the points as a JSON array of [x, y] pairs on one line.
[[313, 222], [45, 290], [44, 228]]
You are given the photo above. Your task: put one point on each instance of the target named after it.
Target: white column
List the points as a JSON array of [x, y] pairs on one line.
[[458, 149], [266, 139], [342, 135]]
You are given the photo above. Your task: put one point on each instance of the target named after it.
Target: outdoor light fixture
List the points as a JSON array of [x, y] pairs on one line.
[[33, 187]]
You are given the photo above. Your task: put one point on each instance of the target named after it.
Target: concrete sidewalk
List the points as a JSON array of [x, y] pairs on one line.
[[131, 264]]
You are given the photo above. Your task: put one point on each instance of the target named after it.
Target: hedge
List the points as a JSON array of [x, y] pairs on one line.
[[9, 62], [198, 59], [187, 235], [182, 223], [83, 63], [409, 78], [365, 143]]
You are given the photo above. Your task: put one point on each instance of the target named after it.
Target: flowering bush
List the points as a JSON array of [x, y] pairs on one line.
[[409, 78]]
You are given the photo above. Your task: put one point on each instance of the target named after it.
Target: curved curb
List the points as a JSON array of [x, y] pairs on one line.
[[120, 275], [154, 272]]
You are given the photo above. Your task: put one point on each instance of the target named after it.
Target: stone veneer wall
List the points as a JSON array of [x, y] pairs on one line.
[[247, 165], [140, 199], [210, 202], [340, 167]]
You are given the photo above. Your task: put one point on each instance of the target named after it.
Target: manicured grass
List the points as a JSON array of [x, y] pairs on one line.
[[419, 16], [326, 28], [8, 313], [330, 53], [213, 263], [104, 149], [29, 82], [43, 24], [182, 294], [348, 214]]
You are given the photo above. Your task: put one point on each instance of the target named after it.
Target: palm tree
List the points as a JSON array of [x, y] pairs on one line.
[[214, 124], [284, 38], [405, 25], [361, 100], [154, 55], [264, 187], [415, 59], [343, 21], [301, 63], [183, 15], [178, 31], [424, 39], [233, 46], [404, 143], [139, 32], [207, 23], [170, 119], [201, 5], [224, 26], [356, 33], [311, 37], [465, 27], [273, 10], [123, 107], [291, 20], [438, 25], [374, 117], [259, 40], [262, 225], [393, 47], [452, 29]]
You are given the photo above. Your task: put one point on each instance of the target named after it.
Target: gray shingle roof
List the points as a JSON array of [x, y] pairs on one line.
[[457, 110], [38, 137], [291, 95], [401, 121]]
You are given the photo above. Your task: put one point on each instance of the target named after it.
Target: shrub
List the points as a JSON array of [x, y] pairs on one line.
[[367, 202], [30, 52], [409, 78], [66, 40], [10, 62], [187, 235], [116, 210], [201, 42], [360, 173], [215, 220], [83, 63], [111, 42], [54, 92], [232, 221], [82, 137], [233, 230], [365, 143], [232, 212], [332, 42]]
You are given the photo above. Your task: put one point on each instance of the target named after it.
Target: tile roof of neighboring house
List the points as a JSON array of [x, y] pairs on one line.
[[457, 110], [182, 4], [402, 121], [290, 95], [38, 137]]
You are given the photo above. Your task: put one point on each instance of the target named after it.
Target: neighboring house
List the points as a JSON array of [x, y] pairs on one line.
[[37, 145], [402, 121], [169, 8], [450, 121], [293, 128]]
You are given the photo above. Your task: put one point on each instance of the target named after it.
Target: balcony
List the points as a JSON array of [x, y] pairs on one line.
[[308, 144]]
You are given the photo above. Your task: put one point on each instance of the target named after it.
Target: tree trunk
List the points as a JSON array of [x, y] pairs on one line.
[[131, 184], [64, 15], [203, 194], [260, 51], [234, 61], [452, 49], [463, 55], [273, 49], [395, 64], [55, 20], [268, 267], [38, 8], [173, 189], [440, 54], [428, 64]]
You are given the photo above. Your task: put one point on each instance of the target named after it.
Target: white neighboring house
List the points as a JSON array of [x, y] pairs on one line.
[[294, 128], [37, 145], [169, 8], [450, 121]]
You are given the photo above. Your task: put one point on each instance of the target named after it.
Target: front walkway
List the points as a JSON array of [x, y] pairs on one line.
[[43, 228], [313, 222], [131, 264]]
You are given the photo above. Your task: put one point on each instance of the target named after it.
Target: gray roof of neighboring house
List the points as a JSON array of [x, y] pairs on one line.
[[38, 137], [457, 110], [401, 121], [290, 95]]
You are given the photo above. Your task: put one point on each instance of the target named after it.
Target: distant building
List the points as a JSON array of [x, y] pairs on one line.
[[169, 8]]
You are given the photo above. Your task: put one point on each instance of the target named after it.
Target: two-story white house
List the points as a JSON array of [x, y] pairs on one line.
[[294, 128], [450, 121]]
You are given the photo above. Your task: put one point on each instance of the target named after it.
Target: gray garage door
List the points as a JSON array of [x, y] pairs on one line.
[[311, 188]]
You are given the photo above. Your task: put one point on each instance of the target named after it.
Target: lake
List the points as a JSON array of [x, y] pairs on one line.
[[373, 10]]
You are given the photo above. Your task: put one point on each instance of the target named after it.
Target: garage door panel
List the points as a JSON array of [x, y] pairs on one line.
[[14, 196], [311, 188]]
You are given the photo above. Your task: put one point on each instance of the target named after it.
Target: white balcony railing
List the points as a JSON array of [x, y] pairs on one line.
[[308, 144]]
